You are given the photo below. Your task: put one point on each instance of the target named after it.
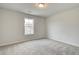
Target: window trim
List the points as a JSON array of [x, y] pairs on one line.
[[29, 26]]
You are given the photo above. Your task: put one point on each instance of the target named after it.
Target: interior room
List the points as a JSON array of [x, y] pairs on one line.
[[39, 29]]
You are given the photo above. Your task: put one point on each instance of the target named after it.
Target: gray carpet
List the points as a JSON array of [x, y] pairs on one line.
[[40, 47]]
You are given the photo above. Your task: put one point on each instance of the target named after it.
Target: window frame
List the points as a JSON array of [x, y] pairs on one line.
[[29, 25]]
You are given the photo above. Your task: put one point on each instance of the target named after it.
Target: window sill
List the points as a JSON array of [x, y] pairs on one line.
[[28, 34]]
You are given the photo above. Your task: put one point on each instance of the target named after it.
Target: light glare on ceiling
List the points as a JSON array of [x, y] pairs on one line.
[[41, 5]]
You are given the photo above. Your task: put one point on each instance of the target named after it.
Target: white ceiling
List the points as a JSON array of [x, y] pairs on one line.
[[30, 9]]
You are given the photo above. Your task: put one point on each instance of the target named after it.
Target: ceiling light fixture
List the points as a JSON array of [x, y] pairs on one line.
[[41, 5]]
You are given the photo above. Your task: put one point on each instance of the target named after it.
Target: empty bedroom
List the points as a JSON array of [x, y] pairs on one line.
[[39, 28]]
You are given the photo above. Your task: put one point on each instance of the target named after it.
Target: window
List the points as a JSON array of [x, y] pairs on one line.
[[29, 26]]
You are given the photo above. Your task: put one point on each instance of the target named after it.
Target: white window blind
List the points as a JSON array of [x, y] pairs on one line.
[[29, 26]]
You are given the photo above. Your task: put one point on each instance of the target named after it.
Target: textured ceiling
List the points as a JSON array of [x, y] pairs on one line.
[[30, 9]]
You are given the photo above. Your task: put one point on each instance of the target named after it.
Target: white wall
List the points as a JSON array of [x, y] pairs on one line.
[[12, 27], [64, 27]]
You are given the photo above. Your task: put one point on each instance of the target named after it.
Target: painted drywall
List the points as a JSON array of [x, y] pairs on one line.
[[64, 26], [12, 27]]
